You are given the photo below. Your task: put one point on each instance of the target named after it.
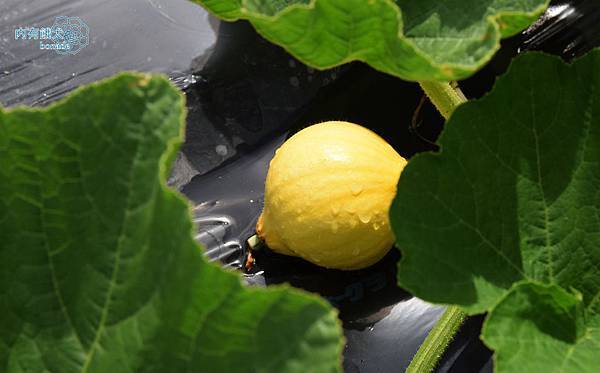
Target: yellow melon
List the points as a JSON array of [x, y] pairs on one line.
[[327, 196]]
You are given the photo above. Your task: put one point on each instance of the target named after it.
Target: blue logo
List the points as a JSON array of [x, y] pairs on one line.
[[68, 35]]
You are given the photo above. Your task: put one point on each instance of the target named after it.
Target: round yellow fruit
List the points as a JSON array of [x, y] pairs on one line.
[[327, 196]]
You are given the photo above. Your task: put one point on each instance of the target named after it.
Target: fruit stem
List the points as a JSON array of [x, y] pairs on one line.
[[254, 242], [445, 96], [438, 339]]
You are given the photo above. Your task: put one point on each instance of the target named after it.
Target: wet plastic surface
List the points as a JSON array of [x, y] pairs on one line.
[[144, 35], [245, 96]]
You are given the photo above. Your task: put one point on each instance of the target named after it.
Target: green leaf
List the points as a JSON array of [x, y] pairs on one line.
[[540, 328], [414, 40], [98, 268], [512, 197]]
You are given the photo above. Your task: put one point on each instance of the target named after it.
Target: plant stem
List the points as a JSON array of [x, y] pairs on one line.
[[438, 339], [443, 95], [254, 242], [446, 98]]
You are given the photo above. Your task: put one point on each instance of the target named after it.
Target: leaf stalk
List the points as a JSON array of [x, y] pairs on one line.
[[444, 95], [437, 341]]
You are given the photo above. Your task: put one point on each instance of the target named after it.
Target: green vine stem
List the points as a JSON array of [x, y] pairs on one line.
[[443, 95], [446, 97], [438, 339]]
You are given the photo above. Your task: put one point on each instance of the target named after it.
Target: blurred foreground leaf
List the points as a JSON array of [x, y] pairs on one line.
[[98, 268]]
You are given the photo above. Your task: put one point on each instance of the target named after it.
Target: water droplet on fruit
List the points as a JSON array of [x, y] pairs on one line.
[[335, 209], [364, 217], [355, 251], [356, 190], [351, 209], [376, 226]]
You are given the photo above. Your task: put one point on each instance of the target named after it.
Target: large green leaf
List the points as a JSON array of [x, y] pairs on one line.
[[513, 196], [542, 328], [98, 268], [411, 39]]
